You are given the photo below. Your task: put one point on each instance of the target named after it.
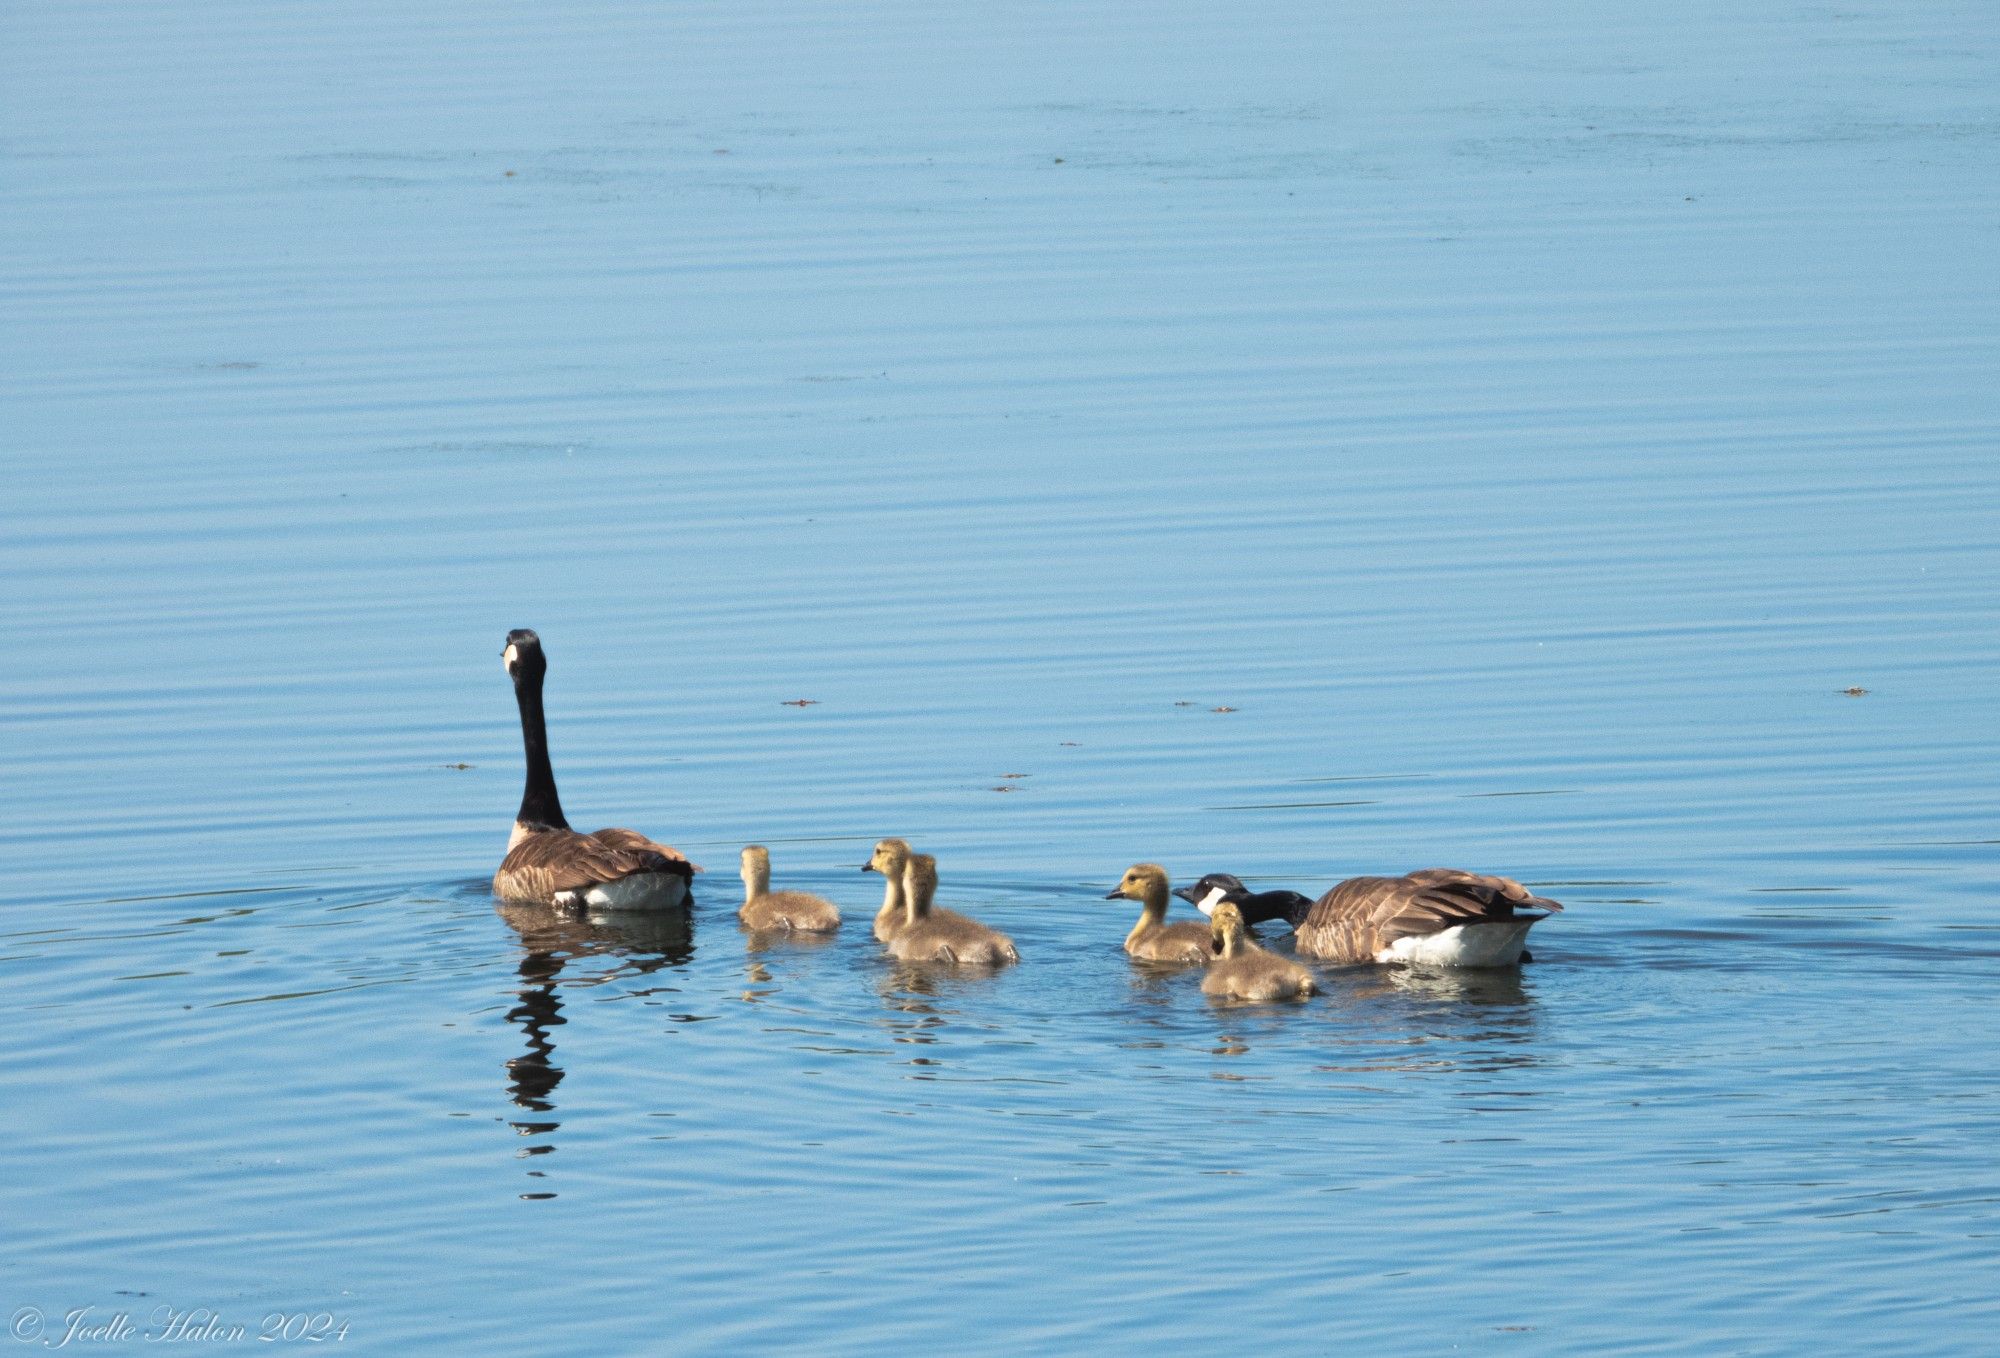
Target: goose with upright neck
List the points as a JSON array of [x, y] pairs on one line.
[[1153, 939], [550, 863], [891, 858]]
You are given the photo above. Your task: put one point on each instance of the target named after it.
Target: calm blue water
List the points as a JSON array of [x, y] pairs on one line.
[[1528, 420]]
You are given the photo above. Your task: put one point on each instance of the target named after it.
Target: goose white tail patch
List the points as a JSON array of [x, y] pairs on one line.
[[1216, 896], [1497, 944], [641, 891]]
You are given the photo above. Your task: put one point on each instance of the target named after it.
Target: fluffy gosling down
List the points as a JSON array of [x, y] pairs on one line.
[[781, 911], [1240, 970], [891, 858], [1153, 939], [931, 935]]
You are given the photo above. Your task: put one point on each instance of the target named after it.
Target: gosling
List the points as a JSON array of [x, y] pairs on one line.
[[780, 911], [890, 858], [1241, 970], [930, 935], [1152, 939]]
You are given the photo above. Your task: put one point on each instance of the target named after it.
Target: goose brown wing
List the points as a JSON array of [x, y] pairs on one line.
[[1502, 896], [551, 862], [1363, 915], [1397, 905], [634, 842]]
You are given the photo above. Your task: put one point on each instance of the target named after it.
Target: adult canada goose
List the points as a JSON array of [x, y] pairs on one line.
[[1152, 939], [1436, 916], [890, 858], [763, 908], [930, 935], [1240, 970], [549, 862]]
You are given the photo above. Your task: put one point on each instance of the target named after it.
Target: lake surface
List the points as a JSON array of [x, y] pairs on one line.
[[1526, 421]]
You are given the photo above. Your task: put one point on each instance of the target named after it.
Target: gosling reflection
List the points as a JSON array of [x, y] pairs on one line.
[[757, 942], [909, 993], [557, 952]]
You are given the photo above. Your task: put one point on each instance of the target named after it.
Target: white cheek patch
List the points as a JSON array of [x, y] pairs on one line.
[[1216, 896], [511, 656]]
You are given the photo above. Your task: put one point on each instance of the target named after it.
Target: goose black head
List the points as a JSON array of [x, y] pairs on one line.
[[523, 655], [1202, 895]]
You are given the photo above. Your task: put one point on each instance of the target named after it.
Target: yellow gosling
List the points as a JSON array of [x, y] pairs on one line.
[[1240, 970], [780, 911], [932, 935], [890, 858], [1153, 939]]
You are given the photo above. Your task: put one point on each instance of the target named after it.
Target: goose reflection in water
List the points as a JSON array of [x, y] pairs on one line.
[[1430, 1019], [561, 949]]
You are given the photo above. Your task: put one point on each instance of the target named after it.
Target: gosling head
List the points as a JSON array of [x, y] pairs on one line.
[[1212, 891], [891, 856], [756, 865], [1142, 881], [1225, 929], [523, 655], [920, 881]]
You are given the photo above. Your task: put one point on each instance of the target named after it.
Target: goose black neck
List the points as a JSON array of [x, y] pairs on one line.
[[539, 803], [1262, 906]]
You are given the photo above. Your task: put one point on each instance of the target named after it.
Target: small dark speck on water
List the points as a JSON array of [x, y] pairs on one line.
[[1855, 692], [1222, 709], [1007, 787], [800, 702], [510, 174], [1016, 775], [458, 766]]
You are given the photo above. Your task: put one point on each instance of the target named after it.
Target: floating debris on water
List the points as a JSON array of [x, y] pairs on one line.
[[800, 702]]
